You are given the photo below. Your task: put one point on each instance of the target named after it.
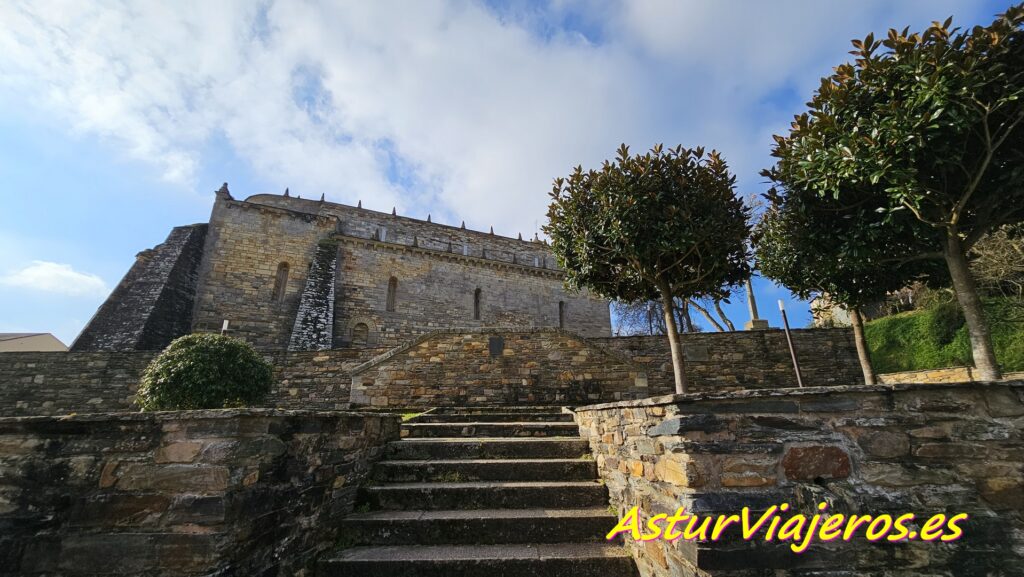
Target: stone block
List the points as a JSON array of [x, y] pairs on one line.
[[814, 462]]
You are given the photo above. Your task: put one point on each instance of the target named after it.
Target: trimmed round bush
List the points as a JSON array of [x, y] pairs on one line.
[[204, 371]]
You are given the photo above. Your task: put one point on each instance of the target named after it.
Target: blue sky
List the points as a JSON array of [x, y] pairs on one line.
[[118, 120]]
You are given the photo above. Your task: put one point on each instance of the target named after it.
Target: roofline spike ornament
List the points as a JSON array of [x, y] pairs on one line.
[[428, 217], [286, 191], [223, 191], [360, 204], [492, 230], [520, 236], [463, 225], [321, 197], [393, 211]]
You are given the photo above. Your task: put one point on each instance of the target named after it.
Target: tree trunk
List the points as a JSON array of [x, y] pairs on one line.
[[685, 314], [721, 315], [678, 363], [704, 312], [970, 304], [862, 346]]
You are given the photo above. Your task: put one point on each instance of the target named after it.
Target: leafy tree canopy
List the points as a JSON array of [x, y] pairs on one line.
[[667, 216]]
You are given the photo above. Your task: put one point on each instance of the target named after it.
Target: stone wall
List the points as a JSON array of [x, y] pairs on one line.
[[946, 375], [152, 305], [924, 449], [58, 383], [246, 246], [232, 492], [498, 367], [438, 290], [739, 360]]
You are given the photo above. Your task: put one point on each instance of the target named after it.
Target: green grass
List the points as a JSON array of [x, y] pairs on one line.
[[936, 337]]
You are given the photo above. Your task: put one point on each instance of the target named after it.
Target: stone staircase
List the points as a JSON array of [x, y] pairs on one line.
[[503, 492]]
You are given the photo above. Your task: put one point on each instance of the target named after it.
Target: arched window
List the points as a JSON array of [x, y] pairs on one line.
[[392, 289], [561, 314], [280, 282], [360, 334], [476, 305]]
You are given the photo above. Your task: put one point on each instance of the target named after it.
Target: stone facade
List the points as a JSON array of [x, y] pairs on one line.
[[924, 449], [239, 492], [946, 375], [288, 273]]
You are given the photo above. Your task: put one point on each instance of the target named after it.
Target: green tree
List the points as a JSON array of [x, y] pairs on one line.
[[815, 247], [926, 125], [662, 225]]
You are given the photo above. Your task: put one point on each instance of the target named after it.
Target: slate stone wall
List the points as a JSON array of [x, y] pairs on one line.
[[59, 383], [314, 322], [924, 449], [232, 492], [498, 367], [152, 305], [743, 360]]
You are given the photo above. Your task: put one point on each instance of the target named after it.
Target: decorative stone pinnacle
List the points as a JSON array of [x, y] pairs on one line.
[[223, 191], [492, 230], [321, 197], [463, 225], [360, 205], [286, 191], [393, 211], [520, 236], [428, 217]]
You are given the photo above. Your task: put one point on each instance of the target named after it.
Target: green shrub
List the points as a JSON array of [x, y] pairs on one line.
[[204, 371]]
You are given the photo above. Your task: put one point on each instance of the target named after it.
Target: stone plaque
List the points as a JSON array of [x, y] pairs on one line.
[[695, 353], [496, 345]]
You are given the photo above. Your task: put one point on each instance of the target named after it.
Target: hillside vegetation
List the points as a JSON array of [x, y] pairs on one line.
[[936, 337]]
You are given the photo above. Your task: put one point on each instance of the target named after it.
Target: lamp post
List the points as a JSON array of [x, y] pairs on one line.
[[789, 341]]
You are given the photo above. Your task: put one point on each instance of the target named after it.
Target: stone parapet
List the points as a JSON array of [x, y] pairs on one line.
[[926, 449], [235, 491]]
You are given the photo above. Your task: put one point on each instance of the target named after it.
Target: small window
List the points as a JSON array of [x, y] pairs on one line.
[[280, 282], [392, 289], [476, 305], [360, 334], [561, 314]]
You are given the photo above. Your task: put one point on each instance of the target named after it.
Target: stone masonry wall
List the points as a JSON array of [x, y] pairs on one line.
[[58, 383], [314, 321], [497, 367], [436, 290], [924, 449], [232, 492], [244, 248], [946, 375], [741, 360], [152, 305]]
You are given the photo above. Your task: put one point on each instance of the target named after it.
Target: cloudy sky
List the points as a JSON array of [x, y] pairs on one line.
[[118, 120]]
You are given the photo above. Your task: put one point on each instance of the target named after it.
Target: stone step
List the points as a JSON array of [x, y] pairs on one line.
[[487, 495], [486, 470], [492, 448], [554, 409], [481, 429], [478, 527], [532, 560], [493, 417]]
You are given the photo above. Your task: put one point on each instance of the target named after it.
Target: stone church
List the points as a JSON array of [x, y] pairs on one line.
[[286, 273]]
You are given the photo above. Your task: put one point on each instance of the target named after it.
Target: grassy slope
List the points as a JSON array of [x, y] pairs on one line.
[[936, 337]]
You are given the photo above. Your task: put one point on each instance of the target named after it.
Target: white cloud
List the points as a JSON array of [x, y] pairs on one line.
[[479, 110], [57, 278]]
